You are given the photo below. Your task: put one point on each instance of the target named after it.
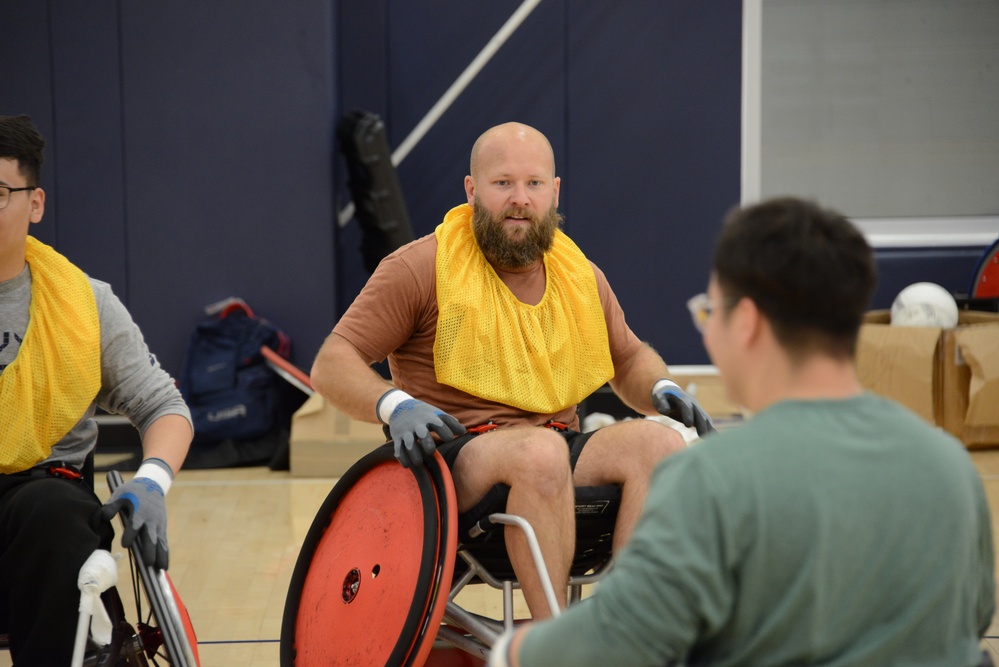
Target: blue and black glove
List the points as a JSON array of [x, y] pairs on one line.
[[410, 423], [142, 504], [673, 402]]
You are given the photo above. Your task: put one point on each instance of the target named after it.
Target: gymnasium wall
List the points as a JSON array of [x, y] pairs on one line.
[[640, 99], [191, 153]]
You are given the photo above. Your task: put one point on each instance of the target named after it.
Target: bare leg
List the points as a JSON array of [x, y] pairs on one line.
[[534, 462], [625, 454]]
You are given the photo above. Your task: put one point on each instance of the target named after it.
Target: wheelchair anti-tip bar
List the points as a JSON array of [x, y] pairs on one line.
[[539, 560], [487, 630]]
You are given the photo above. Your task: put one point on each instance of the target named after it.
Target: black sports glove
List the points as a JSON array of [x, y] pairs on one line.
[[675, 403]]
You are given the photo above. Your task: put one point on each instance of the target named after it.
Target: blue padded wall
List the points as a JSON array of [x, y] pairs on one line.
[[228, 135], [87, 140], [951, 268], [189, 154], [654, 144], [26, 56]]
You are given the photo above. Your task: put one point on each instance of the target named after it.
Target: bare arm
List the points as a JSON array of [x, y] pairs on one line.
[[634, 378], [345, 378], [168, 438]]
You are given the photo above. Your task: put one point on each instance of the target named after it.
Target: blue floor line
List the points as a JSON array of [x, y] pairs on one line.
[[202, 642]]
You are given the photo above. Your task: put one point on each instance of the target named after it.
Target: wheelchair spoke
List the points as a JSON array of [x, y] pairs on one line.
[[136, 586]]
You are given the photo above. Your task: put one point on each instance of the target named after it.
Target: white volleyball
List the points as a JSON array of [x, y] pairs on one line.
[[596, 420], [924, 305]]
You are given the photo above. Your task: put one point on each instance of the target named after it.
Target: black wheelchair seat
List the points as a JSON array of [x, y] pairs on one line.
[[596, 515]]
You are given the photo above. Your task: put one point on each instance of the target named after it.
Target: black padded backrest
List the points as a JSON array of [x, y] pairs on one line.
[[596, 514], [88, 470]]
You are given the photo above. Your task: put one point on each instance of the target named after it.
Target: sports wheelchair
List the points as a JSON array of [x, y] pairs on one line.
[[163, 635], [378, 572]]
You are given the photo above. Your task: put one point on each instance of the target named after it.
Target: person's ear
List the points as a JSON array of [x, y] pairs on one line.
[[36, 205], [746, 322], [470, 190]]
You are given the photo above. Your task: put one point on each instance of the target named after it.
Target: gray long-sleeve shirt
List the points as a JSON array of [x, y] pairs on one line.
[[132, 382]]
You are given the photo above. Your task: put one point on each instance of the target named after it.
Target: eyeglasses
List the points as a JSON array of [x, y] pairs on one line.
[[5, 193], [700, 308]]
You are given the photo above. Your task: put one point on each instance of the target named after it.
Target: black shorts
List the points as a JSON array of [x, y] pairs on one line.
[[574, 440]]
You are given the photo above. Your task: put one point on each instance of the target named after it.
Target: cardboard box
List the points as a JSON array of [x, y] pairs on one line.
[[950, 377], [704, 383], [325, 442]]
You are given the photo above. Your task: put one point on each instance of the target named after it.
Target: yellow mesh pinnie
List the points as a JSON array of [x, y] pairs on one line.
[[541, 358], [57, 371]]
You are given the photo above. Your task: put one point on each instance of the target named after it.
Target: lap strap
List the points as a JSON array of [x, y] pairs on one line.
[[52, 469]]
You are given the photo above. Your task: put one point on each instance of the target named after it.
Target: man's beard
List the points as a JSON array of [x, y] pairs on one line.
[[507, 253]]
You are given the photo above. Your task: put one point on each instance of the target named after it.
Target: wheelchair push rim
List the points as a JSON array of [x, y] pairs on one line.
[[447, 552]]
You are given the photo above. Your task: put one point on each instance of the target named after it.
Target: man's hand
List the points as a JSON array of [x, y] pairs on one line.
[[673, 402], [142, 504], [410, 422], [143, 508]]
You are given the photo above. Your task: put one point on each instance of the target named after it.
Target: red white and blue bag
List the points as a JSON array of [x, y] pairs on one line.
[[230, 389]]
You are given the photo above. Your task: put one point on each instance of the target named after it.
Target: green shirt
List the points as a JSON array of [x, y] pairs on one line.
[[820, 532]]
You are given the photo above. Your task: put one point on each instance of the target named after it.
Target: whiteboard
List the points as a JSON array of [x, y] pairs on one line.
[[887, 110]]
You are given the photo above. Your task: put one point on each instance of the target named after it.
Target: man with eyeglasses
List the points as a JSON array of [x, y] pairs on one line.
[[499, 325], [68, 346], [833, 528]]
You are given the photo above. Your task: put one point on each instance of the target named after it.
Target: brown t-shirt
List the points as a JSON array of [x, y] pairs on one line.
[[395, 317]]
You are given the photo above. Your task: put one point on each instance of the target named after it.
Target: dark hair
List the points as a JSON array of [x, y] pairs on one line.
[[20, 140], [808, 269]]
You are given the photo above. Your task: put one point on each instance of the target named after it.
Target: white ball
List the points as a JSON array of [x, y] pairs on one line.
[[596, 420], [924, 305]]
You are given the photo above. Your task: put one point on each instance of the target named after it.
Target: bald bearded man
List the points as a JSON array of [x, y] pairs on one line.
[[495, 327]]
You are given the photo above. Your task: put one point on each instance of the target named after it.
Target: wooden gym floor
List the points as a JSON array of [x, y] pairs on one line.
[[234, 538]]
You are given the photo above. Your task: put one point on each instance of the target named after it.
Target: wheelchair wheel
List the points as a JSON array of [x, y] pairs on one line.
[[164, 634], [985, 282], [446, 557], [367, 585]]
